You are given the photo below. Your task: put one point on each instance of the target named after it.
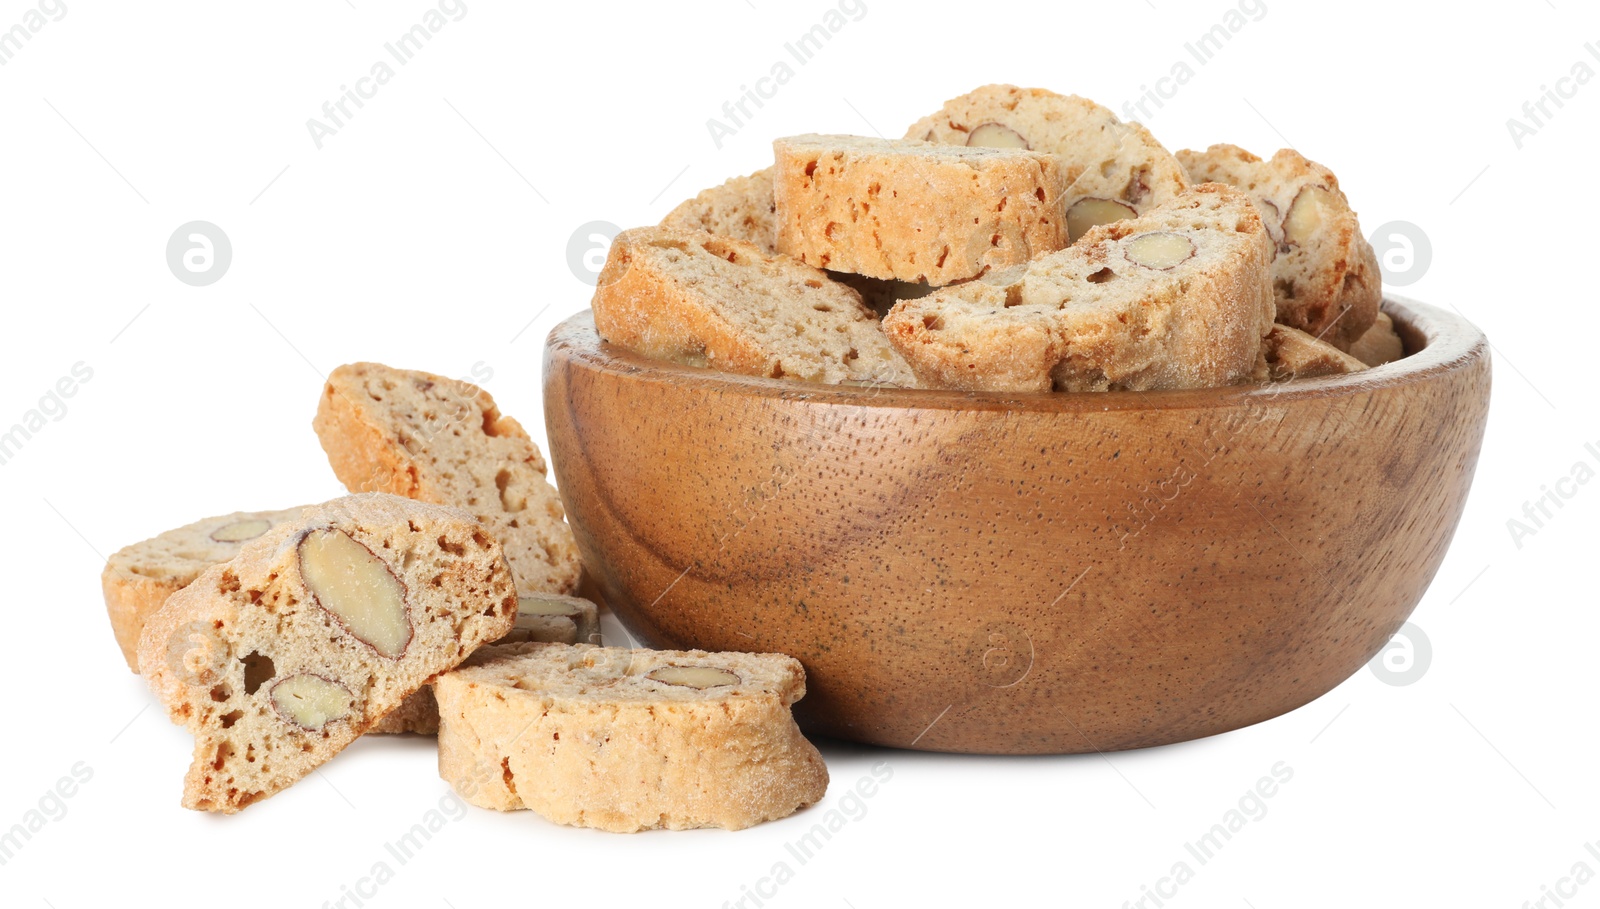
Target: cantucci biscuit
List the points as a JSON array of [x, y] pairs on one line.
[[741, 208], [280, 657], [914, 211], [628, 740], [705, 300], [1114, 170], [1324, 273], [444, 441], [1176, 298], [138, 579]]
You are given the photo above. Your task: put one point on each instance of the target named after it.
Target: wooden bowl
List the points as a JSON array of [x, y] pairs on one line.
[[1029, 573]]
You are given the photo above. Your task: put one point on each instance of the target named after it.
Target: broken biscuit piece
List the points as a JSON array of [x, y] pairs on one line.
[[280, 657]]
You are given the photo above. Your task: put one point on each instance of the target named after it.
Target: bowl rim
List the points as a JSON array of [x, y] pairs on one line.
[[1441, 341]]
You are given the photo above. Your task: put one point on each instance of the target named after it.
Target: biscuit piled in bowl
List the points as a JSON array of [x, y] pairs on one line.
[[1016, 240], [978, 553]]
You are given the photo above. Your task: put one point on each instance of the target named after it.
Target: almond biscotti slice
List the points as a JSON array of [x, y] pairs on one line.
[[138, 579], [542, 617], [741, 208], [1324, 273], [1380, 344], [1114, 170], [914, 211], [628, 740], [1292, 354], [1176, 298], [279, 658], [444, 441], [705, 300]]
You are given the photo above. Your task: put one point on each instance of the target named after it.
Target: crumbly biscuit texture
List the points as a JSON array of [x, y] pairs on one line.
[[280, 657], [1176, 298], [1113, 170], [741, 208], [1325, 274], [138, 579], [628, 740], [704, 300], [915, 211], [444, 441]]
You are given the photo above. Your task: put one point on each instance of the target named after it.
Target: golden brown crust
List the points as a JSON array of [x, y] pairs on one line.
[[359, 449], [130, 602], [914, 211], [741, 209], [139, 578], [705, 300], [444, 441]]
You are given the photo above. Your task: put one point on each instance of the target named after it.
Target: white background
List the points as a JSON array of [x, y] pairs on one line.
[[431, 231]]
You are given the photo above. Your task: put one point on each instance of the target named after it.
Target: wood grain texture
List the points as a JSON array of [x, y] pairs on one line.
[[1030, 573]]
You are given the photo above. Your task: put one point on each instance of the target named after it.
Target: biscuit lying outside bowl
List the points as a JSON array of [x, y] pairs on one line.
[[1022, 573]]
